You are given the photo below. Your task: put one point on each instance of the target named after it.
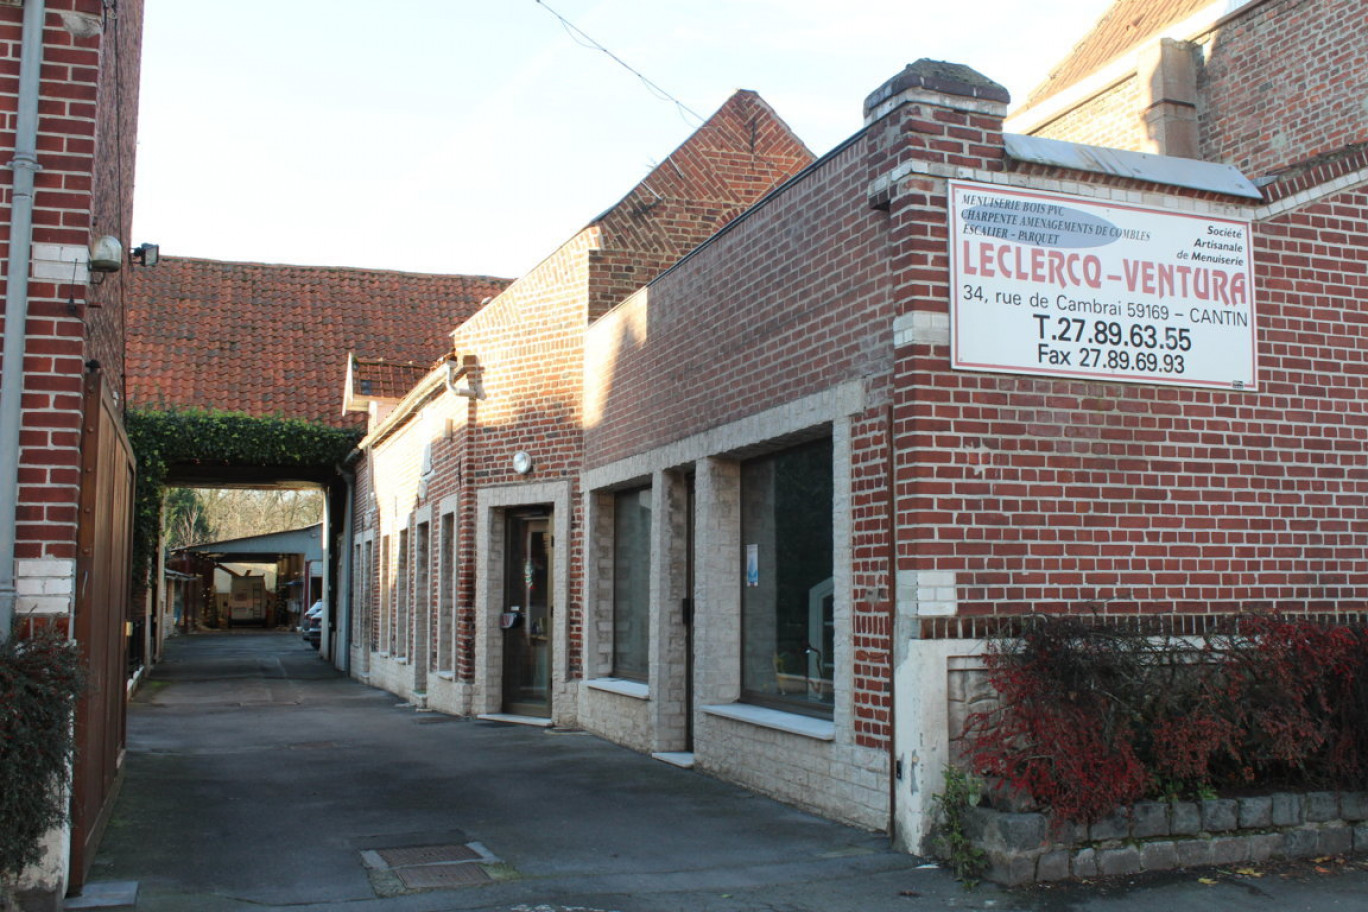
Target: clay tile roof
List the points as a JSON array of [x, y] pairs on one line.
[[381, 379], [1126, 25], [274, 340]]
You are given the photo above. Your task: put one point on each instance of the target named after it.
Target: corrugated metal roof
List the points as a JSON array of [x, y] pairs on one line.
[[1157, 169]]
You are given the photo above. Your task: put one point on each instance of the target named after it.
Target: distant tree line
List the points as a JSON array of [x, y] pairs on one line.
[[194, 516]]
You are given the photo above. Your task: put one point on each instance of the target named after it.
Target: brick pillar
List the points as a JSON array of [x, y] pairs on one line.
[[1167, 70], [933, 117], [930, 123]]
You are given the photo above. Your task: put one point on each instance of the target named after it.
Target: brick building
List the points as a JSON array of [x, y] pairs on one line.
[[942, 377], [69, 132], [440, 495], [264, 340]]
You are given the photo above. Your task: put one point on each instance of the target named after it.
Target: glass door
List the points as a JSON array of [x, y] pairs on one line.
[[529, 605]]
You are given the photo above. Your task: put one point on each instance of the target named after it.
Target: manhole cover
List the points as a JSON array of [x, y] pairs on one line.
[[393, 872], [426, 855], [442, 875]]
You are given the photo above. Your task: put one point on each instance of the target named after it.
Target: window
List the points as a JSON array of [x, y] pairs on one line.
[[386, 640], [358, 576], [787, 588], [446, 591], [422, 595], [400, 634], [632, 583], [367, 612]]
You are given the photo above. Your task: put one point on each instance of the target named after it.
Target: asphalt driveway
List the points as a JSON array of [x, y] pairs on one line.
[[258, 778]]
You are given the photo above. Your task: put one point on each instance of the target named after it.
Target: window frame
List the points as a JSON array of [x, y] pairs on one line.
[[642, 611], [803, 705]]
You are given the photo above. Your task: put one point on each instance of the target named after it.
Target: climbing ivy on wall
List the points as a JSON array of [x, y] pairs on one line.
[[206, 437]]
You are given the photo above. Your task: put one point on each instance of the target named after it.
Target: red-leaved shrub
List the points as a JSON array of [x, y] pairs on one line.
[[1092, 716]]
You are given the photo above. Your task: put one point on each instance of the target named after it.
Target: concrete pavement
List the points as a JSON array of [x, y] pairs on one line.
[[258, 778]]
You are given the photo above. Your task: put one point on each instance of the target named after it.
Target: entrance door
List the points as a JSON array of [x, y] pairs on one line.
[[529, 606]]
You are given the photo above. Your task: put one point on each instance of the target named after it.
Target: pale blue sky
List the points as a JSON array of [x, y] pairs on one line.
[[475, 136]]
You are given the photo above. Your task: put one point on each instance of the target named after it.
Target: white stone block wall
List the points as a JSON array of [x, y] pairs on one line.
[[619, 718], [44, 586], [392, 673], [832, 778], [447, 695], [923, 726], [822, 770], [669, 632]]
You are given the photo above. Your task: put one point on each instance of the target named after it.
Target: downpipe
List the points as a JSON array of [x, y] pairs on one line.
[[24, 166]]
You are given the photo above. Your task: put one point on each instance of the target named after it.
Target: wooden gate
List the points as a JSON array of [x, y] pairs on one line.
[[103, 569]]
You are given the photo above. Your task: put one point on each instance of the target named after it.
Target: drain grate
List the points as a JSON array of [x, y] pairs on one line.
[[428, 877], [426, 855], [397, 871]]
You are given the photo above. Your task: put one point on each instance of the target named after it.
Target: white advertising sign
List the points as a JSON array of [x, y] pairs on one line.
[[1067, 287]]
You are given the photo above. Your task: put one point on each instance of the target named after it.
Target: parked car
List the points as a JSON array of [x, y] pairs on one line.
[[312, 624]]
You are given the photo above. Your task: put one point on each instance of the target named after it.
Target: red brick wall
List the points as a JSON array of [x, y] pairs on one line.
[[1060, 495], [742, 152], [1068, 495], [112, 198], [1279, 83], [1283, 82], [1113, 119], [87, 130], [791, 300], [529, 344], [529, 340]]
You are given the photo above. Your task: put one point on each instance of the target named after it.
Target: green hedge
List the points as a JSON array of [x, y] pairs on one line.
[[164, 439]]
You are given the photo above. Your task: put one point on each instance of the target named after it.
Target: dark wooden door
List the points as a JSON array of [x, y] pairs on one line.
[[101, 611]]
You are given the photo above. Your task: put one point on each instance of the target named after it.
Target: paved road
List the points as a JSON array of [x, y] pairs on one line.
[[260, 779]]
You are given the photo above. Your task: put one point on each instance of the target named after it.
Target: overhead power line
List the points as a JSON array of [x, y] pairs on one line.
[[584, 40]]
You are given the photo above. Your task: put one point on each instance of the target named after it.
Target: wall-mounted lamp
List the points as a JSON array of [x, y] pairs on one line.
[[145, 254], [106, 256]]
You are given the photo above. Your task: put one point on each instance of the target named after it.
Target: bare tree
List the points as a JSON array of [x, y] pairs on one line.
[[197, 515]]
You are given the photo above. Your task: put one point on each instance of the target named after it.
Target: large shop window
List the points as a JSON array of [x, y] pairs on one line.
[[787, 592], [631, 583]]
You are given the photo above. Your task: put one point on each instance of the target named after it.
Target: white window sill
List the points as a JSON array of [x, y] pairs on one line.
[[447, 675], [634, 689], [793, 723]]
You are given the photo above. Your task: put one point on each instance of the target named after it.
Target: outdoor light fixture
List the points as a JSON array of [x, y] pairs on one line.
[[106, 254], [145, 254], [522, 463]]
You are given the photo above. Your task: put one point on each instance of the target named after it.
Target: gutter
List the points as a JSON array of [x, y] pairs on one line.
[[25, 166], [402, 412], [443, 375]]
